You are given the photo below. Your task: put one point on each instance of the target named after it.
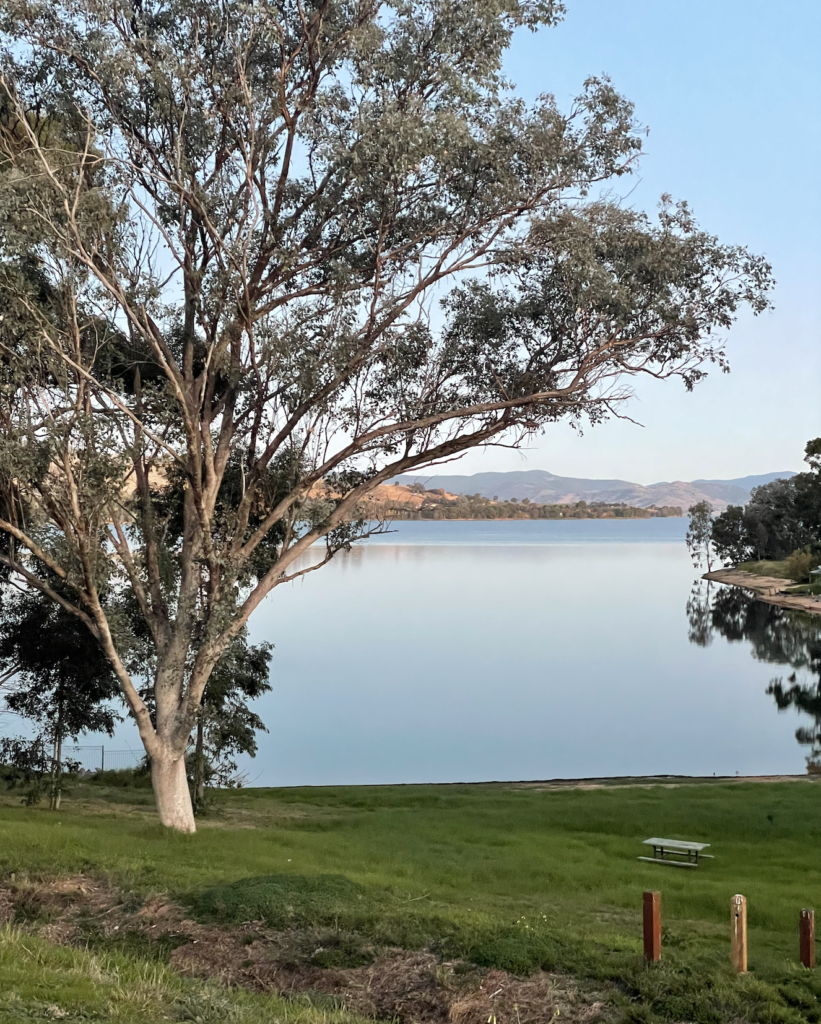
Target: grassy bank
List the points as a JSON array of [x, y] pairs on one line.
[[43, 981], [510, 878], [778, 570], [782, 571]]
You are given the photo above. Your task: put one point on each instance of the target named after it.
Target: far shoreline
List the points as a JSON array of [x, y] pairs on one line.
[[531, 519]]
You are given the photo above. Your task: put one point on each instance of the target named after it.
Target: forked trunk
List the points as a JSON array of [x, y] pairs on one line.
[[172, 794]]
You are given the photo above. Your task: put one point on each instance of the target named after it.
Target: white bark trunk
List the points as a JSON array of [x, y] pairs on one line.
[[172, 794]]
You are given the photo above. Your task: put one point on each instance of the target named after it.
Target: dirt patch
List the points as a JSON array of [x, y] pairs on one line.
[[408, 986], [411, 987]]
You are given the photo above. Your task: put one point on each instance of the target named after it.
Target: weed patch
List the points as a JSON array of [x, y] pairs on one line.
[[282, 900]]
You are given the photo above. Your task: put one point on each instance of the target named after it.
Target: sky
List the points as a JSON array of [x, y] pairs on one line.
[[731, 92]]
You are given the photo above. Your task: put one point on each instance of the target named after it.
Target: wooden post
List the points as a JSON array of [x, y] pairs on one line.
[[807, 920], [738, 910], [652, 926]]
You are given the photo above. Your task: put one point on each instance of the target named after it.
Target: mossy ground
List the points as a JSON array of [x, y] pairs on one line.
[[516, 878]]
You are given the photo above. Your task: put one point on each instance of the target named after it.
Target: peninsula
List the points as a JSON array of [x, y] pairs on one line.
[[772, 589]]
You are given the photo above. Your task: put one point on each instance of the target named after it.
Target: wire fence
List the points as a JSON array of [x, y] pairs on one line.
[[93, 759]]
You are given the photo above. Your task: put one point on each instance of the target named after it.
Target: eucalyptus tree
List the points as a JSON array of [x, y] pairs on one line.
[[293, 249], [699, 536]]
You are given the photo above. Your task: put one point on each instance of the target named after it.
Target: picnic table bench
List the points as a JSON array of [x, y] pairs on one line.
[[673, 852]]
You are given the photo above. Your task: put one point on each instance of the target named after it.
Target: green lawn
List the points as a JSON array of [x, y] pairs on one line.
[[509, 877]]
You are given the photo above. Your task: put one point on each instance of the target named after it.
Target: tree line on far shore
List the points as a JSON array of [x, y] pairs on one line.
[[437, 504]]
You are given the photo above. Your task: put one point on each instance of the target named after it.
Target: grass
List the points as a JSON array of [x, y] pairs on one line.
[[776, 569], [516, 878], [779, 571], [41, 981]]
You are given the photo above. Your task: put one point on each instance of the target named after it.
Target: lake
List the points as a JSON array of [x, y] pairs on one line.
[[476, 651]]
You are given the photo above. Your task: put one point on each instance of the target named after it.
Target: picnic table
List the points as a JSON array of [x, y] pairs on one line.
[[674, 851]]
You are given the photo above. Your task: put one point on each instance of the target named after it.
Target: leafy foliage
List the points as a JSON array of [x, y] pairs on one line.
[[29, 765], [780, 518], [58, 679], [699, 534], [226, 725]]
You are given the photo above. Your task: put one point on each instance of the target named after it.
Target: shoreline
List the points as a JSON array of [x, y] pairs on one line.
[[526, 519], [591, 782], [767, 588]]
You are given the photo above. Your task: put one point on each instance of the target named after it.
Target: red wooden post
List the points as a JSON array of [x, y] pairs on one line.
[[652, 926], [808, 938]]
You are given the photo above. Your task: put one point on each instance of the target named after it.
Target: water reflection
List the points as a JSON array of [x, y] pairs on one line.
[[776, 636]]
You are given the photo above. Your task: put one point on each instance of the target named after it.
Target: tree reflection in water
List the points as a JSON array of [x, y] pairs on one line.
[[777, 636]]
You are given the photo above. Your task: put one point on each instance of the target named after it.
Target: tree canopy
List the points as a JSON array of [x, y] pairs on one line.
[[258, 260], [780, 518], [58, 680]]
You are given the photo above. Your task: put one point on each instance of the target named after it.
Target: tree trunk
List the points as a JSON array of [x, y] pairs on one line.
[[171, 793], [57, 760], [57, 772], [199, 770]]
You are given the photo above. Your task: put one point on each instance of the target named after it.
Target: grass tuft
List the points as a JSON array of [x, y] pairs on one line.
[[283, 900]]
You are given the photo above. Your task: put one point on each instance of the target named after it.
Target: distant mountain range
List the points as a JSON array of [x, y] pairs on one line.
[[549, 489]]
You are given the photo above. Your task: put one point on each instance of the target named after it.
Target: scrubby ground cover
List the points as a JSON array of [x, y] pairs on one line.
[[777, 570], [349, 894], [42, 980]]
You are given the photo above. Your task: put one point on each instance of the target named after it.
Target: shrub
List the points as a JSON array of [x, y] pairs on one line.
[[123, 778], [800, 563]]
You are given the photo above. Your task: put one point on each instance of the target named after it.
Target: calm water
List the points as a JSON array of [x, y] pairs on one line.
[[455, 651], [474, 651]]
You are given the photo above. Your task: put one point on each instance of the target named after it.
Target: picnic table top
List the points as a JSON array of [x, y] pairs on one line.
[[675, 844]]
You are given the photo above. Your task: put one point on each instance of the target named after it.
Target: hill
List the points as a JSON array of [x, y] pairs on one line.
[[412, 501], [540, 486]]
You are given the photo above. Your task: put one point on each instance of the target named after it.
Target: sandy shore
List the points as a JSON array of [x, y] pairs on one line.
[[767, 588]]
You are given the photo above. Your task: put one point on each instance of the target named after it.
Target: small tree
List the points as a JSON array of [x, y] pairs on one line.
[[226, 726], [699, 534], [59, 679], [731, 535], [240, 218]]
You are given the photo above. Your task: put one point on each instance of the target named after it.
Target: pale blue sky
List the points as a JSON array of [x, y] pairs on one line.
[[731, 91]]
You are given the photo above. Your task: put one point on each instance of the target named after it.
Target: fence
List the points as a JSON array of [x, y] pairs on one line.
[[102, 758]]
